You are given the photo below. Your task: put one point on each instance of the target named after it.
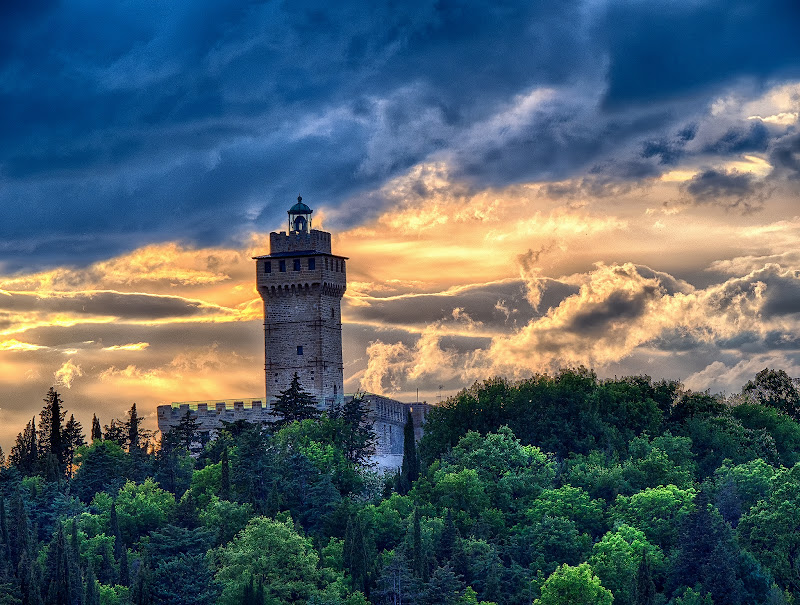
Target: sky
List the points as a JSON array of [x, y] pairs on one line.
[[520, 186]]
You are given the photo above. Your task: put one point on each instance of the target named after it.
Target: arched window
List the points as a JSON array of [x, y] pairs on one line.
[[300, 223]]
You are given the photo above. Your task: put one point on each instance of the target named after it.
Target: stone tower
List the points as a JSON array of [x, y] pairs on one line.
[[302, 283]]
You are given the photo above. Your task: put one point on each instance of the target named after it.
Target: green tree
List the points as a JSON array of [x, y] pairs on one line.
[[25, 451], [774, 388], [570, 503], [574, 585], [409, 471], [73, 439], [444, 588], [101, 467], [273, 553], [692, 597], [656, 511], [97, 432], [617, 561], [141, 508], [132, 426], [225, 475], [356, 555], [294, 404], [51, 420], [769, 528], [225, 519], [358, 437]]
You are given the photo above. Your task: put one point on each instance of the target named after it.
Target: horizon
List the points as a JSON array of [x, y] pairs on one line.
[[518, 188]]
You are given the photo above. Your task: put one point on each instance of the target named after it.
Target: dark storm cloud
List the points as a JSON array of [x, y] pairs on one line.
[[123, 305], [785, 155], [664, 49], [741, 140], [728, 188], [242, 336], [669, 150], [129, 123], [499, 306], [618, 306]]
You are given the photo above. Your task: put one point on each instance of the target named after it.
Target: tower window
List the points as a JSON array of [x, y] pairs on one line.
[[282, 266], [326, 263], [337, 265], [297, 264], [312, 264], [267, 267], [333, 314], [300, 350], [342, 266]]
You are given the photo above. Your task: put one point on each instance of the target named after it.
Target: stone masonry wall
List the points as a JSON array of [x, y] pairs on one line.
[[388, 415]]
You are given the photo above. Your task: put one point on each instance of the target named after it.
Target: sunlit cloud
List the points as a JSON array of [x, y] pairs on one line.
[[12, 344], [134, 346], [68, 372]]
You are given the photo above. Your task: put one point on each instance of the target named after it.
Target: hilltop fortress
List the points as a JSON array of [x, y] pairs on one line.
[[301, 283]]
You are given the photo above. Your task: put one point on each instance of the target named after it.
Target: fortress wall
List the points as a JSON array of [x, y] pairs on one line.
[[388, 415]]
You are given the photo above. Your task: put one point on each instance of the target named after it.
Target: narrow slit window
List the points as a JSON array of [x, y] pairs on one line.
[[267, 267], [282, 266], [297, 264], [312, 264], [300, 350]]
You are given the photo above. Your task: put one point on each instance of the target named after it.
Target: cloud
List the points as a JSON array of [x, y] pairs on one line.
[[68, 372], [620, 312], [727, 188], [665, 50], [785, 155], [200, 124], [134, 346]]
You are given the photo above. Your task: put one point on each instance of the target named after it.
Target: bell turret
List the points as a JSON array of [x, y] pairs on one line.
[[300, 217]]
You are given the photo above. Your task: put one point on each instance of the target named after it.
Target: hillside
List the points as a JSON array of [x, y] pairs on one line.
[[551, 490]]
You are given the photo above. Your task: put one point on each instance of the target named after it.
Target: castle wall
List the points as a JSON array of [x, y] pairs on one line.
[[388, 416]]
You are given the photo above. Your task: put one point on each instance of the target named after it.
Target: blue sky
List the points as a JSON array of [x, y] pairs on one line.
[[520, 185]]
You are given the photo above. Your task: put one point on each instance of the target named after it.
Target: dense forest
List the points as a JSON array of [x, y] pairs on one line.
[[559, 489]]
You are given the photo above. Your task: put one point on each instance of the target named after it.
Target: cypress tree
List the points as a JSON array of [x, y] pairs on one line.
[[120, 550], [21, 535], [5, 545], [448, 540], [73, 438], [354, 554], [225, 481], [409, 471], [645, 587], [97, 433], [91, 594], [59, 588], [51, 440], [25, 452], [249, 592], [418, 558], [133, 429]]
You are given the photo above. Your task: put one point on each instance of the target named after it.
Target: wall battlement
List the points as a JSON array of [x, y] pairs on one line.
[[388, 415]]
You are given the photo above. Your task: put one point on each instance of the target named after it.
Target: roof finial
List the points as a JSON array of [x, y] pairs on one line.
[[299, 198]]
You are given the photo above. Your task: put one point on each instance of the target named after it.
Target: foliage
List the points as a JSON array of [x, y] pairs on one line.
[[574, 585], [294, 404], [775, 389], [273, 554], [560, 489]]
